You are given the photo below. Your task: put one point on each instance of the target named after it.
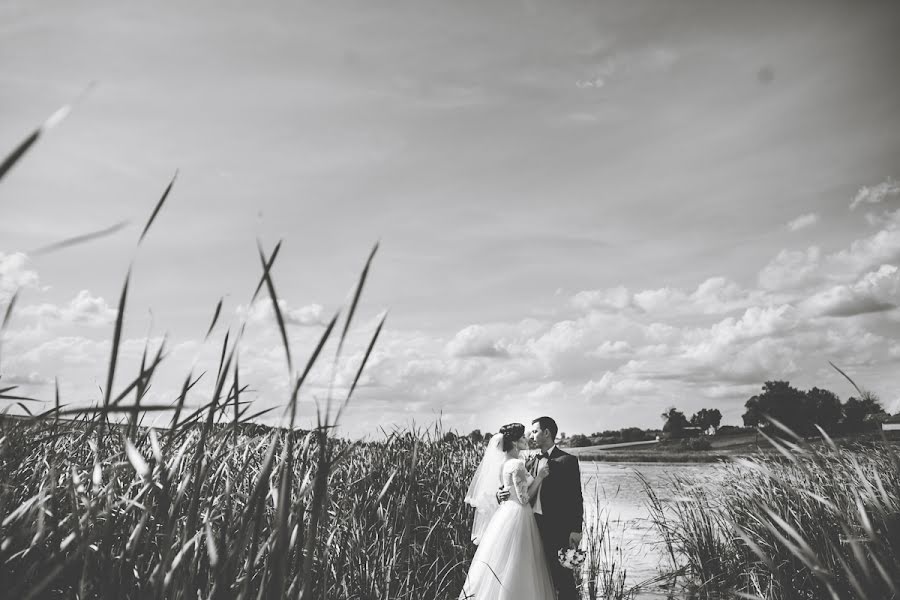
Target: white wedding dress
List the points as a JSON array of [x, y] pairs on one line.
[[510, 563]]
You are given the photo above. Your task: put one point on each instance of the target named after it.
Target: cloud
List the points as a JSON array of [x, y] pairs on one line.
[[754, 323], [803, 222], [552, 390], [766, 358], [889, 188], [659, 299], [32, 378], [476, 341], [70, 350], [875, 292], [15, 275], [730, 391], [610, 349], [83, 309], [791, 269], [880, 248], [261, 311], [714, 295], [616, 387], [615, 299]]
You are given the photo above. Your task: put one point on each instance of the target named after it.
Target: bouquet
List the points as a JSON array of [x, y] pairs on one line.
[[571, 558]]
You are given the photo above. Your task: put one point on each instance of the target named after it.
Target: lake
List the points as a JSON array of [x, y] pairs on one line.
[[619, 494]]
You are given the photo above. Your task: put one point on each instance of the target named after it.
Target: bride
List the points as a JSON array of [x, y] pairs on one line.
[[510, 562]]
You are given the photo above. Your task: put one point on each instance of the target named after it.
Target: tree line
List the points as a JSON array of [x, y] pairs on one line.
[[802, 411], [705, 420], [799, 410]]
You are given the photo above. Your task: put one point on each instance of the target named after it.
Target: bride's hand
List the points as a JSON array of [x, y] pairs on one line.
[[543, 468]]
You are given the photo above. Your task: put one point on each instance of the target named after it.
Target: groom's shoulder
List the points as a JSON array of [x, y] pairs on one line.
[[562, 454]]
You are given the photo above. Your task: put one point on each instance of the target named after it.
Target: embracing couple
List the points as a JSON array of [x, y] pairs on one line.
[[520, 529]]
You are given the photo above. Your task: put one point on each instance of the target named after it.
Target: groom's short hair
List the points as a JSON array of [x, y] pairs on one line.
[[547, 423]]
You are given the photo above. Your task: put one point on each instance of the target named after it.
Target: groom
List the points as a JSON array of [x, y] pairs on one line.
[[560, 512], [559, 507]]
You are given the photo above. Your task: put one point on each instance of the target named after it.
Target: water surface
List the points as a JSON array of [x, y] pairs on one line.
[[616, 490]]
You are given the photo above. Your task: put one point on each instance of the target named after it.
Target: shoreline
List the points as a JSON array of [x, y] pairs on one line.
[[656, 457], [723, 449]]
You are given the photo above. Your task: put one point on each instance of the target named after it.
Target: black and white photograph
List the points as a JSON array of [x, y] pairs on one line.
[[450, 300]]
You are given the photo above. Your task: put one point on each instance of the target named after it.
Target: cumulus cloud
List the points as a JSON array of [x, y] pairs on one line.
[[477, 341], [547, 391], [883, 247], [718, 294], [614, 299], [14, 274], [610, 349], [32, 378], [876, 291], [803, 222], [616, 387], [766, 358], [659, 299], [712, 296], [890, 188], [82, 309], [261, 311], [70, 350], [791, 269]]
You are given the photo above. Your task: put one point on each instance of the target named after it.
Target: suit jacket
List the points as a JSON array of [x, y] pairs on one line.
[[561, 502]]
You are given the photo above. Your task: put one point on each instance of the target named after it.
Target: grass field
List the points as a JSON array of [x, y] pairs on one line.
[[812, 521], [205, 514]]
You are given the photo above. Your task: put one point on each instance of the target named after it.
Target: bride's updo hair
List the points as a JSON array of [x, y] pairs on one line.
[[511, 433]]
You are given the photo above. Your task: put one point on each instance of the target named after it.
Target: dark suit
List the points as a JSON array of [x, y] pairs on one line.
[[562, 511]]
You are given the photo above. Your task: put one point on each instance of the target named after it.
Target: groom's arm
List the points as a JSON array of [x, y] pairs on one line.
[[571, 481], [577, 498]]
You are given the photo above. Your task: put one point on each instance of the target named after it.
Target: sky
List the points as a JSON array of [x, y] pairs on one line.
[[590, 210]]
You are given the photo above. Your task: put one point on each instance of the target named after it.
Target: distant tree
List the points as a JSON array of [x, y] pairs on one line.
[[707, 419], [487, 437], [579, 441], [449, 437], [825, 407], [674, 422], [476, 436], [857, 411], [632, 434], [782, 402]]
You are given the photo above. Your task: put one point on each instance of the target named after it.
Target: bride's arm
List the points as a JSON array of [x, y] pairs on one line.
[[526, 493]]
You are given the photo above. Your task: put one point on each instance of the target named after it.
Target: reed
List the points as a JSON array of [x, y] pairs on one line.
[[604, 572], [203, 518], [217, 507], [811, 521]]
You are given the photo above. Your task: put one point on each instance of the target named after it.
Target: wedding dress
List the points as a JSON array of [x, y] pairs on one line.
[[510, 563]]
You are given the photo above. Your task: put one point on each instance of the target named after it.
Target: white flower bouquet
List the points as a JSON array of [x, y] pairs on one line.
[[571, 558]]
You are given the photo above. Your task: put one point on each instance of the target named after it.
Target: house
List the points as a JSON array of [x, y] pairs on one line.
[[891, 423]]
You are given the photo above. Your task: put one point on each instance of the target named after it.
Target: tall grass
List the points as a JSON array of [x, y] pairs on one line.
[[194, 518], [604, 572], [92, 506], [100, 508], [812, 521]]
